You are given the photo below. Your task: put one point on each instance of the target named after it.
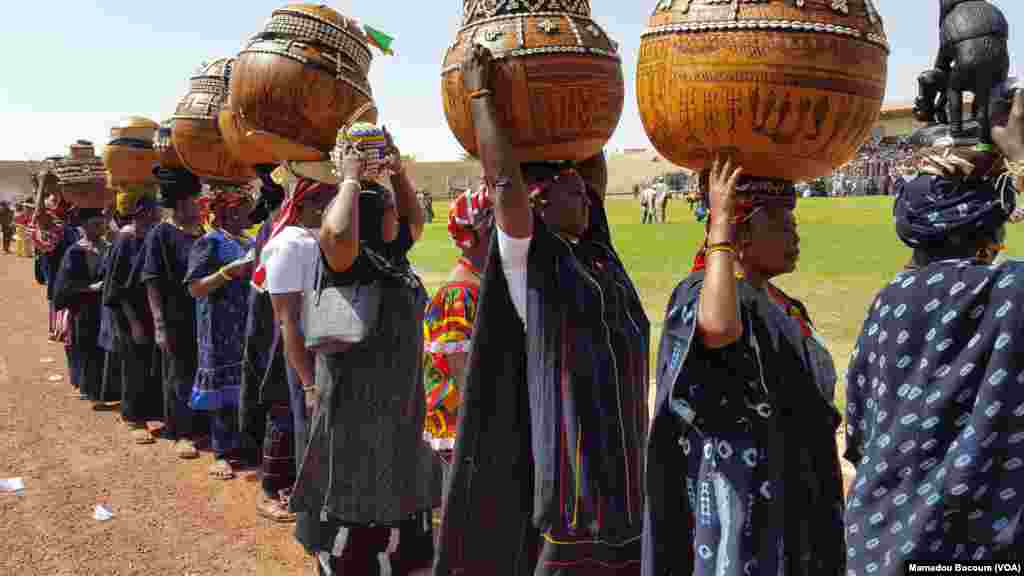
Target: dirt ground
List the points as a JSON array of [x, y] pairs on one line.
[[169, 517]]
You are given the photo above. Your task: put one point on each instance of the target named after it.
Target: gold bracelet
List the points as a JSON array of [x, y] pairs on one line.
[[479, 94], [310, 389], [721, 248]]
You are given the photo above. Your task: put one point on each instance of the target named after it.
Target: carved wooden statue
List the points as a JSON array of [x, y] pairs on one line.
[[973, 57], [930, 105]]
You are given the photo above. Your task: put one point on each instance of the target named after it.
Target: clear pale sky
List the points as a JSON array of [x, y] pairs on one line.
[[74, 67]]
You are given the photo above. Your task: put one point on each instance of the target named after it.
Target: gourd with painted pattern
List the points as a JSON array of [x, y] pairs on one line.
[[558, 77], [296, 84], [197, 137], [789, 88]]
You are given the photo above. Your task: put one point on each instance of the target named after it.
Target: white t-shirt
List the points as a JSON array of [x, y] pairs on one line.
[[291, 259], [514, 252]]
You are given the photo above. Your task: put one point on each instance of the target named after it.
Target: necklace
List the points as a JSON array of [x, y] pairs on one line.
[[469, 266]]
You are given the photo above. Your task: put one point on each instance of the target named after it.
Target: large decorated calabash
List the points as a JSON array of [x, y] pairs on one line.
[[163, 143], [82, 177], [129, 156], [296, 84], [557, 78], [197, 138], [789, 88]]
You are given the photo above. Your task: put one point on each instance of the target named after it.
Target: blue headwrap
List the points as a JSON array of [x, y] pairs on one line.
[[931, 210]]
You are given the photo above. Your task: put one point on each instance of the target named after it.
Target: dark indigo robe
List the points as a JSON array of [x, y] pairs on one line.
[[106, 334], [742, 467], [112, 360], [164, 264], [547, 476], [366, 463], [935, 420], [220, 323], [143, 397], [69, 235], [79, 269], [264, 380]]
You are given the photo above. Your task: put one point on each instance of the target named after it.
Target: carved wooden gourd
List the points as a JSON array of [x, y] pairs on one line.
[[557, 79], [296, 84], [163, 143], [129, 156], [197, 138], [788, 88], [82, 177]]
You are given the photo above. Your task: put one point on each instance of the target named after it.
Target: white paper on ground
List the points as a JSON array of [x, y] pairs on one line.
[[102, 514], [12, 485]]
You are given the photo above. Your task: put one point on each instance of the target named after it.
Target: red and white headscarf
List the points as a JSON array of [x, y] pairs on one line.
[[289, 215], [468, 211]]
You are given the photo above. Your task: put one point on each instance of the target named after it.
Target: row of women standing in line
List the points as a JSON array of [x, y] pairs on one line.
[[556, 470], [155, 318]]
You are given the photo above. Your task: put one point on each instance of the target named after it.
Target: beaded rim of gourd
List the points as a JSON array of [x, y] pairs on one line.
[[281, 48], [216, 85], [303, 26], [784, 25], [520, 22], [471, 8]]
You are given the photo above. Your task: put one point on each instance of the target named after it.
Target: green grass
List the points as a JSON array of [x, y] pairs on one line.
[[849, 250]]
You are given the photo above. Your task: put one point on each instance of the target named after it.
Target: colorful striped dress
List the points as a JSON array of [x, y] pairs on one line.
[[447, 329]]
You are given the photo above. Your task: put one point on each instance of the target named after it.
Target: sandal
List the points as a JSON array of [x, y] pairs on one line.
[[186, 450], [274, 510], [142, 436], [221, 470]]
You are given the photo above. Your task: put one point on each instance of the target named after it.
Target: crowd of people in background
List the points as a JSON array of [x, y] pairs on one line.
[[287, 330], [874, 172]]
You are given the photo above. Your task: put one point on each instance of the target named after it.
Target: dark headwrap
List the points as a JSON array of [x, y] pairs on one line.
[[271, 195], [175, 185], [932, 210]]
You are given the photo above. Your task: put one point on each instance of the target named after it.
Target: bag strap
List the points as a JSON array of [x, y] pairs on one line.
[[318, 278]]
